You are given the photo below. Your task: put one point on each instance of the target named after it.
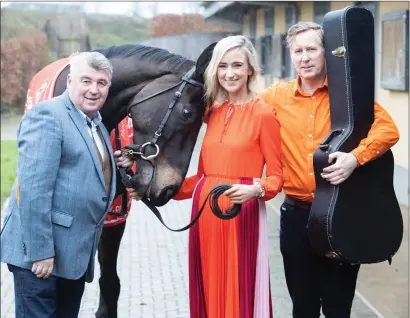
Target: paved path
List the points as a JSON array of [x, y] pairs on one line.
[[153, 268]]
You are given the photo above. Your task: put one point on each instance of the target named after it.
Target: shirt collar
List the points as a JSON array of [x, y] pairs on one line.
[[96, 120], [297, 88]]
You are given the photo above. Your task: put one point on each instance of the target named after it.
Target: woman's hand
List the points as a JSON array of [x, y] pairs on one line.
[[134, 195], [240, 193]]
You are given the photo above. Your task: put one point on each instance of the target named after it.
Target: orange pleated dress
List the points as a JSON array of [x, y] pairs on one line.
[[228, 259]]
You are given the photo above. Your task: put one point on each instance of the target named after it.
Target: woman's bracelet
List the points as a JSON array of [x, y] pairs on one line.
[[261, 193]]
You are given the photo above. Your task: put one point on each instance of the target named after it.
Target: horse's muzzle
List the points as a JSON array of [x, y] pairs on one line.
[[164, 195]]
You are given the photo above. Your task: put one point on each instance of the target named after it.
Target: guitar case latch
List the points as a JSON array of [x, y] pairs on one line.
[[339, 52]]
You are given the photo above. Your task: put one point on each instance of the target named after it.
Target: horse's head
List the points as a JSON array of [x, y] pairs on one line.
[[167, 114]]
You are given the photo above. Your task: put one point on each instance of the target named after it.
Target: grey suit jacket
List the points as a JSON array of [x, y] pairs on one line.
[[63, 199]]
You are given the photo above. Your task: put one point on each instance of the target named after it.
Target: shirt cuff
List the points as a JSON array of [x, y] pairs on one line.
[[365, 155]]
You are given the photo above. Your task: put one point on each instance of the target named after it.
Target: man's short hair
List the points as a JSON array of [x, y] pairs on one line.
[[301, 27], [95, 60]]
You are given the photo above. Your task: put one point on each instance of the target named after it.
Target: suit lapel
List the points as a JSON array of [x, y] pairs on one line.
[[79, 122], [107, 141]]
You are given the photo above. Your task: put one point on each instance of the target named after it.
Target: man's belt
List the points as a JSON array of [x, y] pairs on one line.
[[298, 203]]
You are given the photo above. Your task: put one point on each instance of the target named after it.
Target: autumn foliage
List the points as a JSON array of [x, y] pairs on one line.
[[172, 24], [21, 58]]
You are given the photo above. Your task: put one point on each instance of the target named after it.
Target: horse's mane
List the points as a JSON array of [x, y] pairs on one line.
[[146, 53]]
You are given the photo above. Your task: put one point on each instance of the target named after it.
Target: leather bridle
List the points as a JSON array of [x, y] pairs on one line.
[[134, 150]]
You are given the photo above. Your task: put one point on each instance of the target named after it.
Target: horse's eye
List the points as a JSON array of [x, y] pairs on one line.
[[187, 114]]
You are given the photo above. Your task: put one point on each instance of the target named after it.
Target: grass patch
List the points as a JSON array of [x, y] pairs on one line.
[[9, 155]]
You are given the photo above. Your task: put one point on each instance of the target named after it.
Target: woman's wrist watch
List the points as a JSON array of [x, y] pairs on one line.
[[261, 192]]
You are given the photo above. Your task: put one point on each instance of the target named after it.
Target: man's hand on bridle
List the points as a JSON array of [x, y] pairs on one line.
[[122, 161]]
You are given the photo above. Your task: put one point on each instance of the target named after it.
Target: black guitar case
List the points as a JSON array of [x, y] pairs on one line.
[[358, 221]]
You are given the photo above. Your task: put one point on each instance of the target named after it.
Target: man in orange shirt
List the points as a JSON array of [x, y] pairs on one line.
[[303, 110]]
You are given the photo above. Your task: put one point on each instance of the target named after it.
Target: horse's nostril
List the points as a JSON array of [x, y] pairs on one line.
[[165, 195], [169, 193]]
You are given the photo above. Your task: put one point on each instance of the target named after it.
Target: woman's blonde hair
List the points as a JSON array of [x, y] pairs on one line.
[[213, 90]]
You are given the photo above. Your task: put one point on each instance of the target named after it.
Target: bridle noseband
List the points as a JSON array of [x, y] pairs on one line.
[[132, 150]]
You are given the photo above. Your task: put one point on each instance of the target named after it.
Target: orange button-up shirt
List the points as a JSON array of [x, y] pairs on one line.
[[305, 122]]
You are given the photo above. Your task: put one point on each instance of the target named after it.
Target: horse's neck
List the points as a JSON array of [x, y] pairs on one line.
[[115, 108]]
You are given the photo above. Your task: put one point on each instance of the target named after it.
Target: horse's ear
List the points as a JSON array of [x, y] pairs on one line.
[[203, 61]]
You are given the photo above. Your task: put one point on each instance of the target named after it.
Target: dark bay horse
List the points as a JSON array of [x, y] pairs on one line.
[[146, 82], [140, 72]]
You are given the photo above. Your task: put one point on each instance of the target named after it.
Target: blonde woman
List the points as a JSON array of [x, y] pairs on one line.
[[228, 260]]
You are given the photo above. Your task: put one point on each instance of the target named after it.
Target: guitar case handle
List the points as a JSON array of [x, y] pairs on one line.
[[325, 145]]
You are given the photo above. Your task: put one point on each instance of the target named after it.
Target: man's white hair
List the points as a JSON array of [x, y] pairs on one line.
[[95, 60]]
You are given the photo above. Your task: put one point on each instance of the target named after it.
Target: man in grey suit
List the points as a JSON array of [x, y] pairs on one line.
[[65, 184]]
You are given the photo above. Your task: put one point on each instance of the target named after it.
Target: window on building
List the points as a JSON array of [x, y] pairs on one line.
[[289, 16], [320, 8], [290, 19], [395, 51], [279, 52], [266, 43], [269, 16], [266, 54], [252, 23]]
